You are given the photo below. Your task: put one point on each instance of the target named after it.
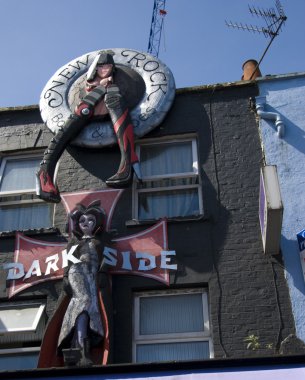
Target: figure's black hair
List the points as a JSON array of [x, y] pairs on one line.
[[102, 58], [94, 209], [105, 58]]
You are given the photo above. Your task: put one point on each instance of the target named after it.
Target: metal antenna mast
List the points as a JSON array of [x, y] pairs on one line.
[[156, 27], [274, 20]]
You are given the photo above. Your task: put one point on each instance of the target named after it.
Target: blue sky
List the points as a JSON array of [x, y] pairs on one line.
[[40, 36]]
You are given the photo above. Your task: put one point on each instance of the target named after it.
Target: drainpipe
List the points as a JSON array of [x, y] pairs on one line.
[[276, 117]]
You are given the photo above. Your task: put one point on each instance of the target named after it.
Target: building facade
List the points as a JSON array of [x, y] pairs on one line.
[[201, 172], [283, 96]]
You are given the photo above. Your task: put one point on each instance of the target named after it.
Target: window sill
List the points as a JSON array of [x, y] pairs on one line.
[[135, 222], [33, 232]]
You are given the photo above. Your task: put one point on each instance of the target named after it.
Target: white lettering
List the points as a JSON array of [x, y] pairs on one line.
[[146, 262], [126, 261], [15, 270], [110, 256], [69, 256], [52, 261], [34, 270], [165, 261], [144, 257]]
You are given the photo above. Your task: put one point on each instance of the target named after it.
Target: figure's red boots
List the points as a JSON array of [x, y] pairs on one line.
[[123, 129], [45, 188]]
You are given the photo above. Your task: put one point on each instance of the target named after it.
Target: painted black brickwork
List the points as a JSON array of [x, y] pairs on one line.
[[222, 251]]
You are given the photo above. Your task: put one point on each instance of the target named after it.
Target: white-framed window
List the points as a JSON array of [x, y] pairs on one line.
[[20, 318], [22, 327], [171, 182], [20, 208], [19, 358], [171, 325]]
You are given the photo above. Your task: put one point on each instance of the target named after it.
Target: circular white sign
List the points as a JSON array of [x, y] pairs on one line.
[[64, 90]]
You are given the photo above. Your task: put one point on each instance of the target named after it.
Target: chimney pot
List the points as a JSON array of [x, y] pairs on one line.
[[248, 70]]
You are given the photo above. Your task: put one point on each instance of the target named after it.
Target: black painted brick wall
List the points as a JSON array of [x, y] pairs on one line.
[[245, 284]]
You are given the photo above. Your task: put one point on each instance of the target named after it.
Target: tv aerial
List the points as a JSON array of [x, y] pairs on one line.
[[274, 20]]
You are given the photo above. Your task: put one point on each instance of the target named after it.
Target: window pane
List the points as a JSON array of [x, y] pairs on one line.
[[171, 314], [19, 174], [162, 159], [22, 318], [172, 351], [19, 361], [168, 203], [25, 217]]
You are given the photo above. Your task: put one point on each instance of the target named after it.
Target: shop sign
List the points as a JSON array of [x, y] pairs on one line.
[[143, 254]]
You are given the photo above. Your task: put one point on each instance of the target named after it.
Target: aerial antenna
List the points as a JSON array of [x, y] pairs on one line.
[[274, 19]]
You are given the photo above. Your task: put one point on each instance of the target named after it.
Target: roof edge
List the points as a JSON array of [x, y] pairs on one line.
[[20, 108], [215, 86]]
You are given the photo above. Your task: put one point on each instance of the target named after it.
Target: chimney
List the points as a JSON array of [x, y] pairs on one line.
[[249, 71]]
